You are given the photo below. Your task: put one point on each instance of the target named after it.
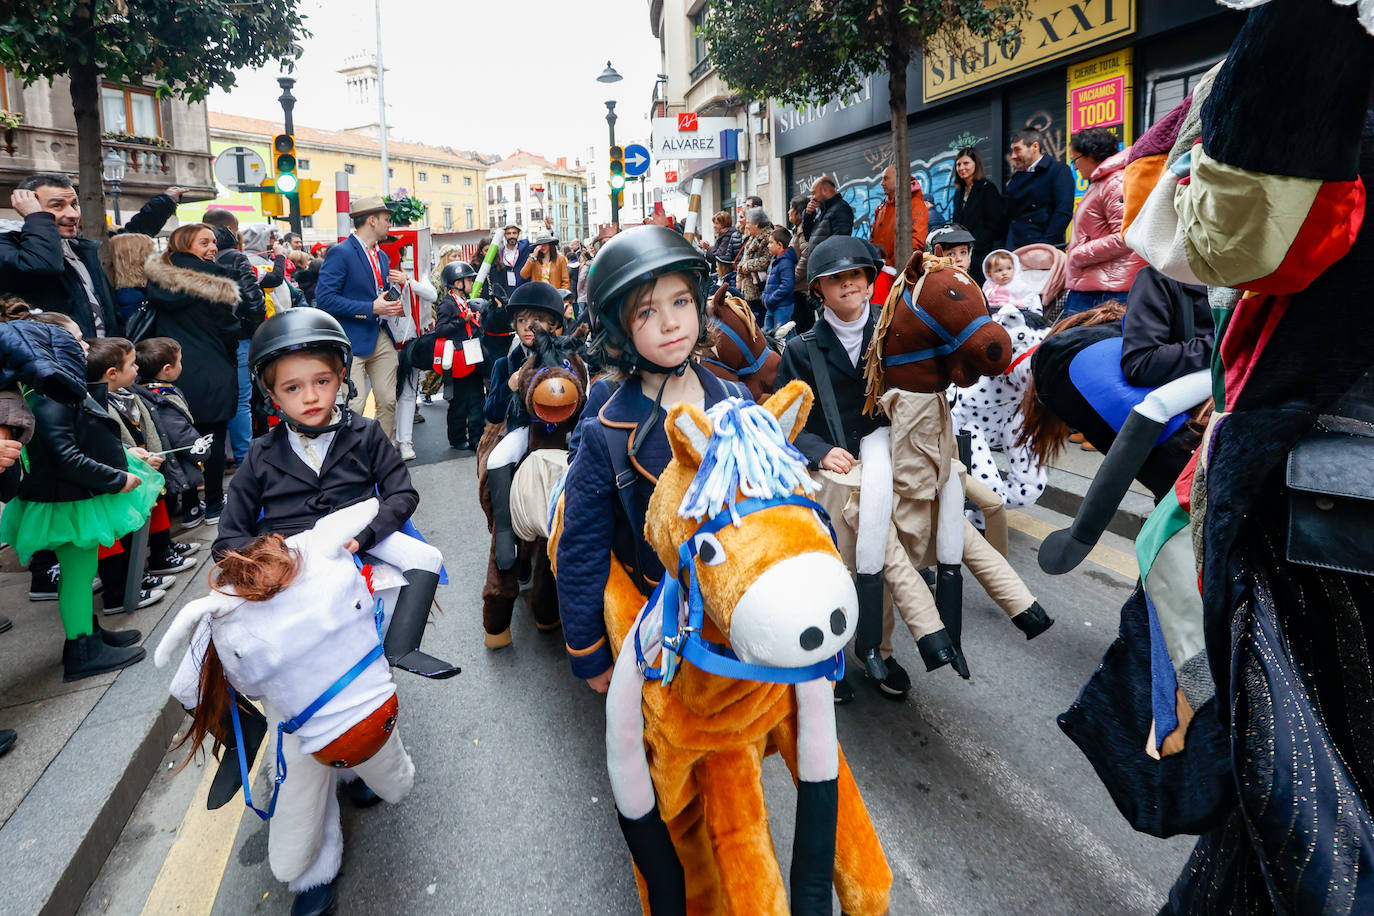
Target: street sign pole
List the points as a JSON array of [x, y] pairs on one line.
[[615, 205], [288, 102]]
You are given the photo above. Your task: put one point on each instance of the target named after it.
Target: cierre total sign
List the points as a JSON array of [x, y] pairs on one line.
[[701, 140]]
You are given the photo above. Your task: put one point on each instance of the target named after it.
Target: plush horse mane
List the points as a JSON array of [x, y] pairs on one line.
[[1041, 430], [748, 453], [259, 571], [875, 378]]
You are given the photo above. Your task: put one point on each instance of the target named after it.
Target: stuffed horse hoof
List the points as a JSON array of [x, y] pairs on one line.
[[937, 650], [1033, 620], [408, 621]]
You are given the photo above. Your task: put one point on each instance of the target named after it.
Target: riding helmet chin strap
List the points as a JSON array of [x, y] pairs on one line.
[[647, 424]]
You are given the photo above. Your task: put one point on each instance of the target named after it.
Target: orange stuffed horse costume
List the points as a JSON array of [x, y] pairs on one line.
[[691, 750]]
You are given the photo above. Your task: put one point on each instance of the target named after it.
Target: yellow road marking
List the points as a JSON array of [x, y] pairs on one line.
[[189, 880], [1117, 561]]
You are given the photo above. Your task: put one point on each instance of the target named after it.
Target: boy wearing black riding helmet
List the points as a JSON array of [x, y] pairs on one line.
[[830, 358], [952, 241], [457, 321], [647, 294]]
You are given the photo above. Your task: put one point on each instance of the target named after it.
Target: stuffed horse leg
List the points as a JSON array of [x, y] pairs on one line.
[[1063, 550], [645, 833], [1003, 584], [870, 547], [818, 770], [501, 464], [949, 555], [993, 511], [862, 878], [407, 608]]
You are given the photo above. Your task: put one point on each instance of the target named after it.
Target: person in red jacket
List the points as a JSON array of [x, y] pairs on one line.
[[884, 233]]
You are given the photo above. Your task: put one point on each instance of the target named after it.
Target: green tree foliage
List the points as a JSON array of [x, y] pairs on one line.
[[188, 47], [805, 51]]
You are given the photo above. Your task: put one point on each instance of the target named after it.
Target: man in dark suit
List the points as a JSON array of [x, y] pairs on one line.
[[827, 213], [1039, 197], [51, 268], [510, 260], [353, 286]]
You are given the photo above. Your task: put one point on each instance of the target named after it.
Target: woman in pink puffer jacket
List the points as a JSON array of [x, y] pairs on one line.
[[1101, 266]]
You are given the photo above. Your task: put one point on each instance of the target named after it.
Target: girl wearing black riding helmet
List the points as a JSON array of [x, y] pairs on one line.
[[647, 294]]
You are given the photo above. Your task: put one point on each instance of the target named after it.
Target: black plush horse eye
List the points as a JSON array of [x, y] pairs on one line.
[[954, 293], [709, 550]]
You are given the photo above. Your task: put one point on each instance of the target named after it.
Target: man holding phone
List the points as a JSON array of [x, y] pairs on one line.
[[358, 286], [510, 260]]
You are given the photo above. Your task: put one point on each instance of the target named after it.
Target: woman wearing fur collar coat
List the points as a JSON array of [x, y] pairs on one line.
[[195, 301]]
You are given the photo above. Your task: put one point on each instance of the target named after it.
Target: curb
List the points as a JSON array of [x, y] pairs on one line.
[[1064, 494], [55, 843]]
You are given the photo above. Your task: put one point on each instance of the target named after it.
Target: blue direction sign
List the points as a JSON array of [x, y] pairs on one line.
[[636, 160]]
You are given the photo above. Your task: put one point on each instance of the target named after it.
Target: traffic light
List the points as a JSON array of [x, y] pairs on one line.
[[273, 205], [284, 158], [617, 169], [308, 192]]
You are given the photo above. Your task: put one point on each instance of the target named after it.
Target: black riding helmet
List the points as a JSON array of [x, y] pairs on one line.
[[948, 235], [292, 331], [837, 254], [454, 271], [627, 261], [539, 296]]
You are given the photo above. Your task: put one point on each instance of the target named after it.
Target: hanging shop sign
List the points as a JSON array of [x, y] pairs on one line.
[[1051, 29], [1101, 94]]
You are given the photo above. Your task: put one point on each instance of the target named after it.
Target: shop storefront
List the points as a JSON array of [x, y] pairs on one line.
[[1120, 64]]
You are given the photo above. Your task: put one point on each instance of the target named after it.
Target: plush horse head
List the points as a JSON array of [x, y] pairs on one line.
[[553, 385], [771, 581], [741, 353], [934, 330]]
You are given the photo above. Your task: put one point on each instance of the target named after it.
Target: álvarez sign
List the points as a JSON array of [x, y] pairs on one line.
[[1051, 29]]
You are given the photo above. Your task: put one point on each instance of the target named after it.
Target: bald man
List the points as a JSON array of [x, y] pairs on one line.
[[827, 214], [884, 233]]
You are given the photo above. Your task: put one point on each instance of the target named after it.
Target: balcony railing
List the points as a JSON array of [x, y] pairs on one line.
[[147, 168], [702, 68], [141, 161]]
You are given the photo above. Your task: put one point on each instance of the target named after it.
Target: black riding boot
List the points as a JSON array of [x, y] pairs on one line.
[[949, 601], [869, 633], [407, 627], [503, 536], [652, 849]]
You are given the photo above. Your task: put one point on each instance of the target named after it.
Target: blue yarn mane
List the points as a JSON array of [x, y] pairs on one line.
[[748, 453]]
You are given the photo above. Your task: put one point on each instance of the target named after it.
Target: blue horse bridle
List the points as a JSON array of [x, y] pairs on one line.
[[689, 645], [951, 343], [752, 367]]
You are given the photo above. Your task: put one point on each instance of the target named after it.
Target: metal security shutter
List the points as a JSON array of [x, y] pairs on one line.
[[857, 165], [1041, 105]]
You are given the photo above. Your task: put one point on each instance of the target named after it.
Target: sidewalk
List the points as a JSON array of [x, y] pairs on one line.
[[85, 750]]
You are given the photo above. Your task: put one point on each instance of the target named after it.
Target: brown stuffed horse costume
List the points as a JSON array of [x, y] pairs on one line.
[[764, 587], [740, 352], [552, 386]]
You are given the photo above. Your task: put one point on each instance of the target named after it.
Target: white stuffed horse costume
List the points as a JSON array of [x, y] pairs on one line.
[[991, 412], [318, 638]]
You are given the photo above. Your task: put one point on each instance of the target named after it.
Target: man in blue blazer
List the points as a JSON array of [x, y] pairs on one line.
[[352, 287], [1039, 197], [511, 258]]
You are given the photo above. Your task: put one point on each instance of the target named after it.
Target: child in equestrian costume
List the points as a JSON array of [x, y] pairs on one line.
[[829, 358], [647, 293], [533, 305], [458, 321], [321, 458]]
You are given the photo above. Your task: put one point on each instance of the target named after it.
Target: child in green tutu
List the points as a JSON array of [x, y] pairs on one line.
[[81, 489]]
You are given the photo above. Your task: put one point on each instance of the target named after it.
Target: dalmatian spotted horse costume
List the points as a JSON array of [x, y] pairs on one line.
[[991, 412]]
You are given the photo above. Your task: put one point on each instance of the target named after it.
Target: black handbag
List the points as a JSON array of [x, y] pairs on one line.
[[1330, 477], [140, 323]]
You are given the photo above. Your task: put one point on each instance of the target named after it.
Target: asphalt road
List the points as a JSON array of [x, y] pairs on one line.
[[983, 806]]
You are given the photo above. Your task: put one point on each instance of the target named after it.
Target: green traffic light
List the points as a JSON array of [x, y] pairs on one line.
[[617, 181], [286, 183]]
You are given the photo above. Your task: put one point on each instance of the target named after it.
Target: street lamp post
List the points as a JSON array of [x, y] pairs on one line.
[[615, 205], [112, 168], [609, 75]]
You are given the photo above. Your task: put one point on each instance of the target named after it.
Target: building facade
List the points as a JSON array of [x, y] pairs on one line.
[[450, 185], [1120, 65], [163, 142], [532, 192]]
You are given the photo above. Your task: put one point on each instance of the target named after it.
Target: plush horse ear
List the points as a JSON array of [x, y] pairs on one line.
[[791, 404], [178, 635], [688, 429], [338, 528], [717, 301]]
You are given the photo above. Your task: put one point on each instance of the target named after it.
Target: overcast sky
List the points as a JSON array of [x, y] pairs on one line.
[[490, 76]]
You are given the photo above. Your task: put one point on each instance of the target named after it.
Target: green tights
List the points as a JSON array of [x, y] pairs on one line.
[[74, 598]]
